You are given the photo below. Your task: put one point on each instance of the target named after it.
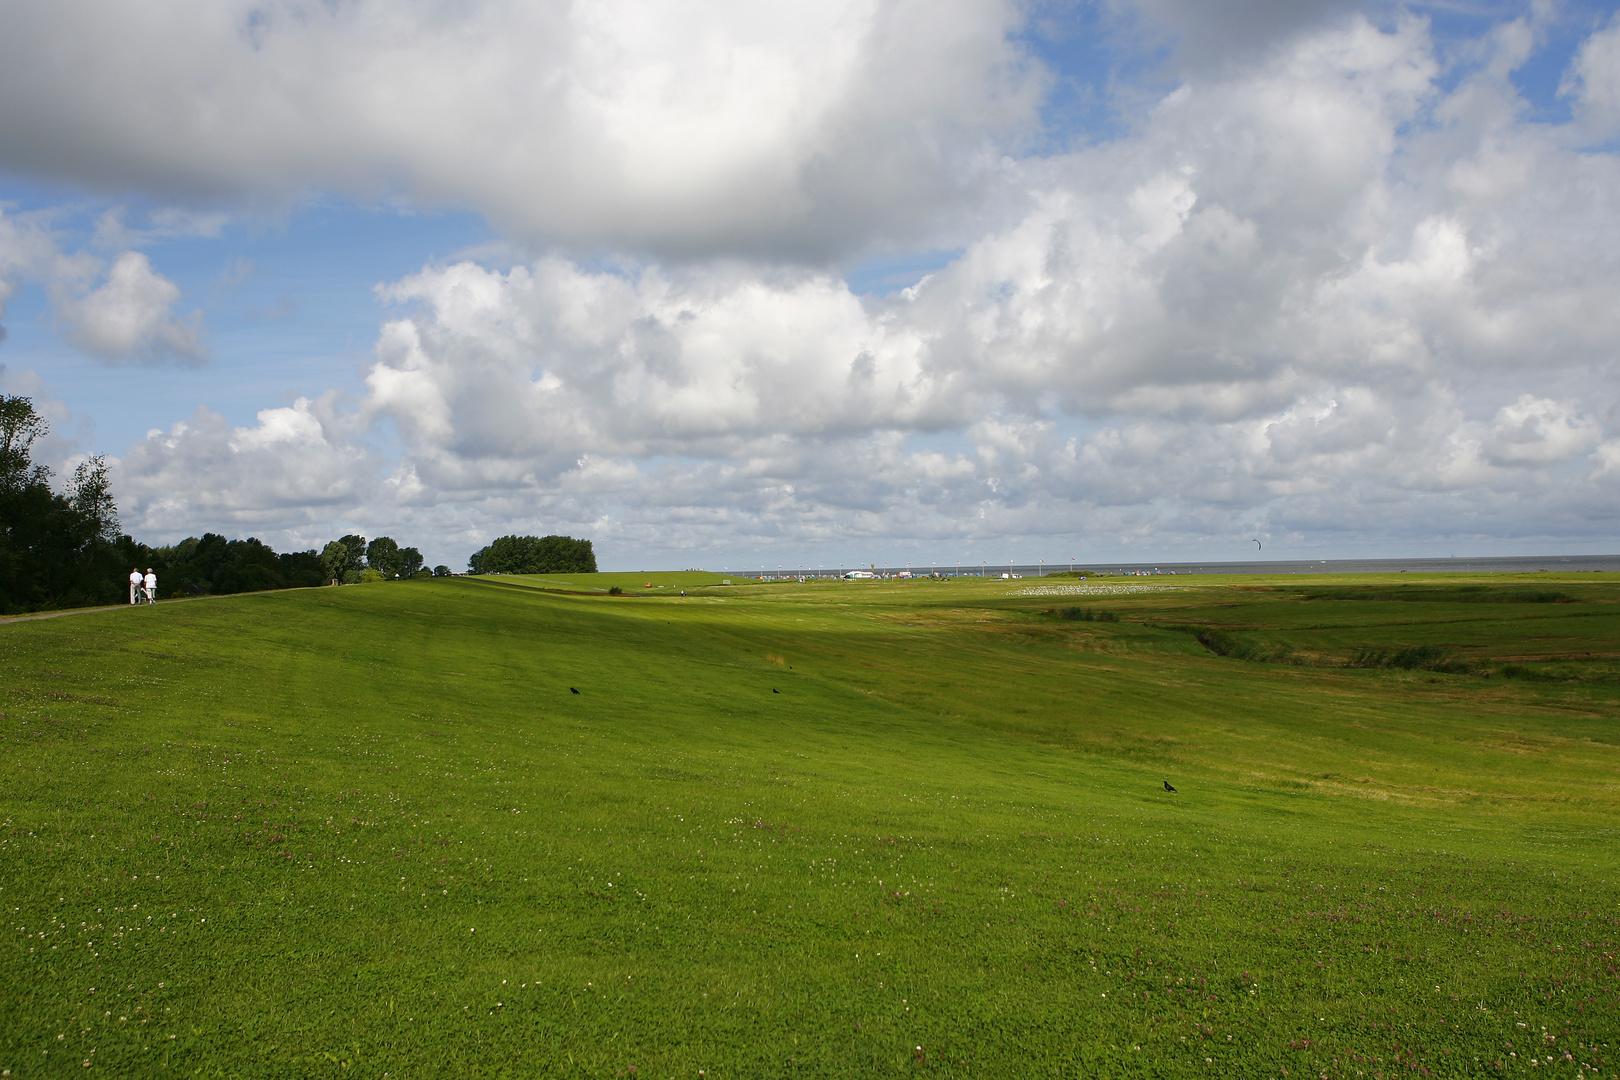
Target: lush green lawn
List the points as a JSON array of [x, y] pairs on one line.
[[830, 829]]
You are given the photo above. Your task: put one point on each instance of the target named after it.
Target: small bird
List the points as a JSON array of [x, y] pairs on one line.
[[774, 690], [1167, 786], [571, 690]]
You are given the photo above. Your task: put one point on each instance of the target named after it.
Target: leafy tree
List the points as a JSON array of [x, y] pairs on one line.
[[410, 561], [534, 555], [90, 494], [356, 546], [334, 560], [382, 555], [343, 559], [20, 425], [55, 550], [441, 571], [302, 569]]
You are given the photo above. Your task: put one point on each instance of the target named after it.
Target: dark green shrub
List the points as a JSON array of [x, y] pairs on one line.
[[1529, 674], [1080, 614]]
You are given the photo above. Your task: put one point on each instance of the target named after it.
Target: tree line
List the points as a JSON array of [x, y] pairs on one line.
[[534, 555], [352, 559], [65, 549]]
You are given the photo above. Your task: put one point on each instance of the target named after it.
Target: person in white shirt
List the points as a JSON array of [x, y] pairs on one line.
[[151, 586], [135, 582]]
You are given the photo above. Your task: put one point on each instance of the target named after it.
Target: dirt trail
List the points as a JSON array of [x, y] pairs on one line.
[[4, 619], [53, 614]]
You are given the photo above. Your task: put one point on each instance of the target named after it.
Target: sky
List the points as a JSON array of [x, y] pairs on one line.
[[746, 284]]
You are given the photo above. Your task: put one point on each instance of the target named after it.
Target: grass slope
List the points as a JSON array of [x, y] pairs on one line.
[[830, 829]]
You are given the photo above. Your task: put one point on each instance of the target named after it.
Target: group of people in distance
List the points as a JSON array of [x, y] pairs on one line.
[[142, 587]]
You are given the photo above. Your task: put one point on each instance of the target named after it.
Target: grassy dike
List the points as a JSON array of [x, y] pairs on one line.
[[829, 829]]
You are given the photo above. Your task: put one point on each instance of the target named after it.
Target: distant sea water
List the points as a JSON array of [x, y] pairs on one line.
[[1508, 564], [1505, 564]]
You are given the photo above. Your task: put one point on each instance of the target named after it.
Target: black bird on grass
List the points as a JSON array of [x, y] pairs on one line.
[[1168, 788], [774, 690], [571, 690]]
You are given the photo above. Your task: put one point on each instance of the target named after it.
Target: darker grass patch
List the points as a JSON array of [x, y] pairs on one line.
[[1560, 672], [1411, 658], [1082, 614], [1528, 674], [1456, 594], [1406, 658]]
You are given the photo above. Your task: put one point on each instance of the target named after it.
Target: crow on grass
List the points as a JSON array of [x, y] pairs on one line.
[[571, 690], [774, 690], [1168, 788]]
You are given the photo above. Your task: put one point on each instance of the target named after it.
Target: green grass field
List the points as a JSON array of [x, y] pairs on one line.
[[820, 830]]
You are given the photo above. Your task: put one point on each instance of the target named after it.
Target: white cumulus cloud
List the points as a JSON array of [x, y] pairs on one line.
[[130, 314], [1593, 80], [118, 312], [295, 468]]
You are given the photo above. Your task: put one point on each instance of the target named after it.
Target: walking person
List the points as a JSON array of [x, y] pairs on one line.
[[151, 586], [135, 583]]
